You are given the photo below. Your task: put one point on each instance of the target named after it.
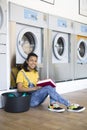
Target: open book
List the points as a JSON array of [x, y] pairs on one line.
[[46, 82]]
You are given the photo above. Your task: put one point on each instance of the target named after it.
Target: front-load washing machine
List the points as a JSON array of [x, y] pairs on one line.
[[3, 16], [60, 30], [60, 47], [29, 39], [4, 66], [27, 34], [80, 63]]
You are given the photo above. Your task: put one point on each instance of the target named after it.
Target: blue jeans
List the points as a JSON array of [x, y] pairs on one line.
[[40, 95]]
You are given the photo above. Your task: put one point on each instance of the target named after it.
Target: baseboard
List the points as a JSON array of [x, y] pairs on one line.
[[70, 86]]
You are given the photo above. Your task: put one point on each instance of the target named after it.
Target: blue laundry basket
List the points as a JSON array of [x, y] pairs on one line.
[[16, 101]]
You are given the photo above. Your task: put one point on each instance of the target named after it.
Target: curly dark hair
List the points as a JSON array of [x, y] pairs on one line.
[[25, 65]]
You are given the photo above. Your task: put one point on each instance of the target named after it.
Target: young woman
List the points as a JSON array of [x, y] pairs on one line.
[[27, 79]]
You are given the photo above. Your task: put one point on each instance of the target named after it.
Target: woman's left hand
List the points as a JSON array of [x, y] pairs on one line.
[[37, 87]]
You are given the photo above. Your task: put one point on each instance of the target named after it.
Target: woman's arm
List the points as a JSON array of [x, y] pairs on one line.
[[23, 89]]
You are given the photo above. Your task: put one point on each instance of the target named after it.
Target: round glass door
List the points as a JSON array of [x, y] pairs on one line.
[[81, 50], [1, 17], [58, 47], [26, 44]]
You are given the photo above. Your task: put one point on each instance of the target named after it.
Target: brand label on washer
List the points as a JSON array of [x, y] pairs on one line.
[[30, 14], [62, 23], [84, 28]]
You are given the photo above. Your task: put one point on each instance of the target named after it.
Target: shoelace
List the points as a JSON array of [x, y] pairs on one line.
[[55, 105], [74, 105]]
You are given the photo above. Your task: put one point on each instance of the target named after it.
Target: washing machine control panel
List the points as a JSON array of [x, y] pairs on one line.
[[83, 28], [60, 24], [28, 16]]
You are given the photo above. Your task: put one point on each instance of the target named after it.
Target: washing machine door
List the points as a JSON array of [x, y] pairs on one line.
[[1, 17], [59, 46], [82, 50], [26, 43]]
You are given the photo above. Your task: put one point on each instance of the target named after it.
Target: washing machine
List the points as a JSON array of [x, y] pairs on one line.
[[3, 16], [60, 47], [29, 39], [80, 39], [27, 34], [60, 30], [3, 46]]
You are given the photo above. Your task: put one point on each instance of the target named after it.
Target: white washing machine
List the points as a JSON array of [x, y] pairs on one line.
[[80, 63], [28, 25], [60, 47], [27, 34], [29, 39], [60, 30], [3, 16], [3, 46]]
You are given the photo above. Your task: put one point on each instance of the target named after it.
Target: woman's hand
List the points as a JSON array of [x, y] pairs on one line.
[[23, 89], [37, 87]]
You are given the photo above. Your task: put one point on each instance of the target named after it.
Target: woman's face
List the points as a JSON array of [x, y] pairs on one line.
[[32, 62]]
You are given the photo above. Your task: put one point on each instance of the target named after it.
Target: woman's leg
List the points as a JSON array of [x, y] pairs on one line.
[[40, 95]]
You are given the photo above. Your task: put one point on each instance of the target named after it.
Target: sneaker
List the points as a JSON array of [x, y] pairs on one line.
[[75, 108], [55, 108]]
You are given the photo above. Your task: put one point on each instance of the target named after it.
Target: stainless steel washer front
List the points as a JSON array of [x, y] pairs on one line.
[[26, 43], [28, 39], [1, 17], [80, 59], [82, 51], [60, 47]]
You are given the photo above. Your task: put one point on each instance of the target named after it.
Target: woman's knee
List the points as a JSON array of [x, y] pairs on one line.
[[50, 88]]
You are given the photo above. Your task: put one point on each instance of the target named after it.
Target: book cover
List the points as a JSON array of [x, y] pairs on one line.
[[46, 82]]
